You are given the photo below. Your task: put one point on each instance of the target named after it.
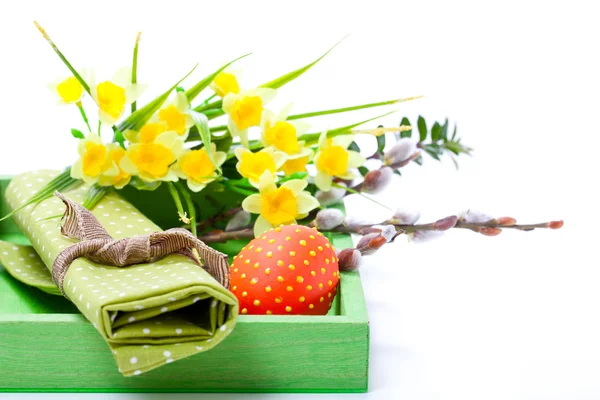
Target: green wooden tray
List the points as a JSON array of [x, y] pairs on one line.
[[46, 345]]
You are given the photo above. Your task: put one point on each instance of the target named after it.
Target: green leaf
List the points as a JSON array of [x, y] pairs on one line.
[[223, 143], [444, 131], [352, 108], [405, 134], [60, 183], [419, 160], [137, 119], [201, 123], [363, 170], [422, 128], [380, 142], [436, 132], [354, 147], [295, 175], [77, 134], [453, 133], [313, 138], [200, 86], [190, 206], [63, 58], [290, 76], [94, 195], [134, 67], [176, 199], [139, 184]]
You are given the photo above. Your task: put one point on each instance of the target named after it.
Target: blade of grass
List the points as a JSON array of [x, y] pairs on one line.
[[134, 67], [137, 119], [352, 108], [313, 138], [94, 195], [200, 86], [60, 183], [63, 58], [201, 123], [290, 76], [190, 206]]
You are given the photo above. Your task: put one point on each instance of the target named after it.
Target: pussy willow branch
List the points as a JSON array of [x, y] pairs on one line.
[[247, 233]]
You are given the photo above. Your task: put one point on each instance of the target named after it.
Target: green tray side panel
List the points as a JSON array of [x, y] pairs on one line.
[[47, 346]]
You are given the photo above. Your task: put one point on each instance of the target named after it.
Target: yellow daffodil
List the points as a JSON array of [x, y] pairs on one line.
[[245, 109], [252, 165], [196, 167], [279, 206], [225, 82], [152, 161], [147, 134], [334, 160], [298, 164], [122, 178], [94, 160], [68, 90], [176, 116], [282, 134], [112, 96]]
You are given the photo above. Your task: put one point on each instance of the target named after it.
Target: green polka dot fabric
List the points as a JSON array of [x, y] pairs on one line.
[[150, 314]]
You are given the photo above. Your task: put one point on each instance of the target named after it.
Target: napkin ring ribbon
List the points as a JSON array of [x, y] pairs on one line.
[[98, 246]]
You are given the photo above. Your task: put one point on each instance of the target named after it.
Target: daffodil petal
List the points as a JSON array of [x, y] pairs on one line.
[[128, 166], [266, 183], [229, 100], [261, 226], [323, 181], [355, 160], [106, 118], [240, 151], [122, 77], [300, 126], [196, 186], [220, 157], [170, 176], [252, 204], [76, 172], [295, 185], [134, 91], [306, 203], [349, 175], [131, 135], [323, 143], [343, 140], [279, 158]]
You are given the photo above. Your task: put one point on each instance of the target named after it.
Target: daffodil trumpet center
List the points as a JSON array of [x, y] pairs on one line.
[[247, 112], [333, 160], [196, 165], [174, 119], [225, 83], [111, 98], [283, 136], [151, 159], [279, 206], [70, 90], [94, 159], [253, 165]]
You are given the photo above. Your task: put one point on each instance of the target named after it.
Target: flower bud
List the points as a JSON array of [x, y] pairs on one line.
[[387, 231], [490, 231], [405, 217], [555, 224], [240, 219], [349, 259], [475, 217], [506, 221], [328, 219], [400, 152], [445, 223], [333, 196], [377, 180], [425, 236], [370, 243], [353, 223]]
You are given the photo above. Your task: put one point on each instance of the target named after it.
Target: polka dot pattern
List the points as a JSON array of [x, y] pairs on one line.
[[291, 269], [138, 309]]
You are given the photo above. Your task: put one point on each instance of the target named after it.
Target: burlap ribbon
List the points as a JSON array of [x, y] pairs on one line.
[[98, 246]]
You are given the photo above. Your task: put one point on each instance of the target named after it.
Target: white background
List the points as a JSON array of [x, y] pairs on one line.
[[462, 317]]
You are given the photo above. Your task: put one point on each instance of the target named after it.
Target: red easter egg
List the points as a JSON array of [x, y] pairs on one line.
[[291, 269]]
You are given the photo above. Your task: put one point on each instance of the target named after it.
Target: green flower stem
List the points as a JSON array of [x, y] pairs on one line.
[[205, 102], [83, 115], [134, 67], [99, 126], [190, 206], [177, 201]]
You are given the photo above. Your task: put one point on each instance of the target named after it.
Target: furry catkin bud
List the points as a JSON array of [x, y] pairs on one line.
[[405, 217], [240, 219], [387, 231], [475, 217], [400, 152], [377, 180], [425, 236], [445, 223], [333, 196], [555, 224], [349, 259], [490, 231], [370, 243], [506, 221], [328, 219]]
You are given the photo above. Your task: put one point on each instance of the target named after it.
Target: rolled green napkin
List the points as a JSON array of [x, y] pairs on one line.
[[149, 314]]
